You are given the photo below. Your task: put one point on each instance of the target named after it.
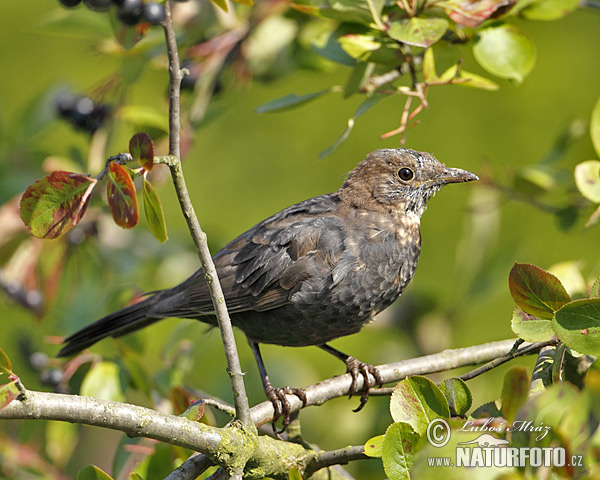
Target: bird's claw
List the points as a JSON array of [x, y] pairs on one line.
[[355, 368], [281, 405]]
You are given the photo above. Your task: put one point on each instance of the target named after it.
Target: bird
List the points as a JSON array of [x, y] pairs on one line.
[[316, 271]]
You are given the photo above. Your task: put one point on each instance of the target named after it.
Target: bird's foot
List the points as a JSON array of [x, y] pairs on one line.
[[281, 405], [357, 368]]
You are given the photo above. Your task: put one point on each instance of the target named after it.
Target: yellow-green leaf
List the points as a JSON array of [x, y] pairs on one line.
[[505, 51], [154, 213]]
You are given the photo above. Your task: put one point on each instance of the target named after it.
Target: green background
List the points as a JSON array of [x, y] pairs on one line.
[[244, 166]]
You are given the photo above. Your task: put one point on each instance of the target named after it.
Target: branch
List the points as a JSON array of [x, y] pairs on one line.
[[135, 421], [234, 447], [230, 448], [233, 362], [341, 456], [339, 386]]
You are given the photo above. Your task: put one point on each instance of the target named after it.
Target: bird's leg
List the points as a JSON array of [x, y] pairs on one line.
[[355, 368], [277, 396]]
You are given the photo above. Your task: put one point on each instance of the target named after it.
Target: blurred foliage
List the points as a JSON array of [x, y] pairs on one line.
[[537, 202]]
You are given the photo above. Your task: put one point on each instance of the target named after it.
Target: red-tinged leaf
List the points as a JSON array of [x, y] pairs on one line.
[[55, 204], [154, 213], [531, 328], [5, 363], [141, 148], [374, 447], [195, 411], [471, 13], [8, 393], [536, 291], [122, 198]]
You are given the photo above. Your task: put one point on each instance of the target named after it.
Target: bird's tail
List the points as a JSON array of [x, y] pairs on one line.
[[126, 320]]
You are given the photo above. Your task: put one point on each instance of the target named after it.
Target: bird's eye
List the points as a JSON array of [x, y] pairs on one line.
[[405, 174]]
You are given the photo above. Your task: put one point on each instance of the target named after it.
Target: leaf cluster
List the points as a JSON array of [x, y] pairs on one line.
[[406, 47]]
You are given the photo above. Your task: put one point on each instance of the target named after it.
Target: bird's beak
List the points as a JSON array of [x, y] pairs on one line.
[[455, 175]]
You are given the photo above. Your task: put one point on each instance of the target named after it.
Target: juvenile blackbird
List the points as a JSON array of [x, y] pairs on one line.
[[313, 272]]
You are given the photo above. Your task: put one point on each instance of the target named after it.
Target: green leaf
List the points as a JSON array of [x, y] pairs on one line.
[[143, 116], [376, 7], [8, 393], [417, 401], [587, 179], [141, 148], [103, 381], [135, 475], [5, 363], [349, 11], [359, 46], [536, 291], [505, 51], [476, 81], [360, 73], [195, 411], [531, 328], [578, 325], [222, 4], [122, 197], [440, 62], [514, 391], [328, 46], [340, 140], [549, 9], [458, 395], [595, 127], [374, 446], [594, 218], [55, 204], [421, 32], [61, 438], [398, 452], [595, 290], [91, 472], [291, 101], [364, 107], [154, 213], [294, 474]]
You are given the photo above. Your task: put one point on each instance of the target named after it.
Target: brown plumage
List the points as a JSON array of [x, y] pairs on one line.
[[313, 272]]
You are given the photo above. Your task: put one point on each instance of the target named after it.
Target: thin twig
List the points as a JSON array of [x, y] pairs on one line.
[[526, 350], [233, 362], [340, 456], [192, 468]]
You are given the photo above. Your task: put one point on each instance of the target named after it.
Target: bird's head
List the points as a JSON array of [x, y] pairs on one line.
[[398, 180]]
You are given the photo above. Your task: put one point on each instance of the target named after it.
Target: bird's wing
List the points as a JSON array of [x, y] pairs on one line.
[[263, 267]]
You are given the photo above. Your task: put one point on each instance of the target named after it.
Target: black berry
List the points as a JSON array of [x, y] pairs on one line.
[[130, 11], [154, 13], [69, 3]]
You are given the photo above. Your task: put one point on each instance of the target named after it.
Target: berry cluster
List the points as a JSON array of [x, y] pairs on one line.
[[130, 12], [81, 111]]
